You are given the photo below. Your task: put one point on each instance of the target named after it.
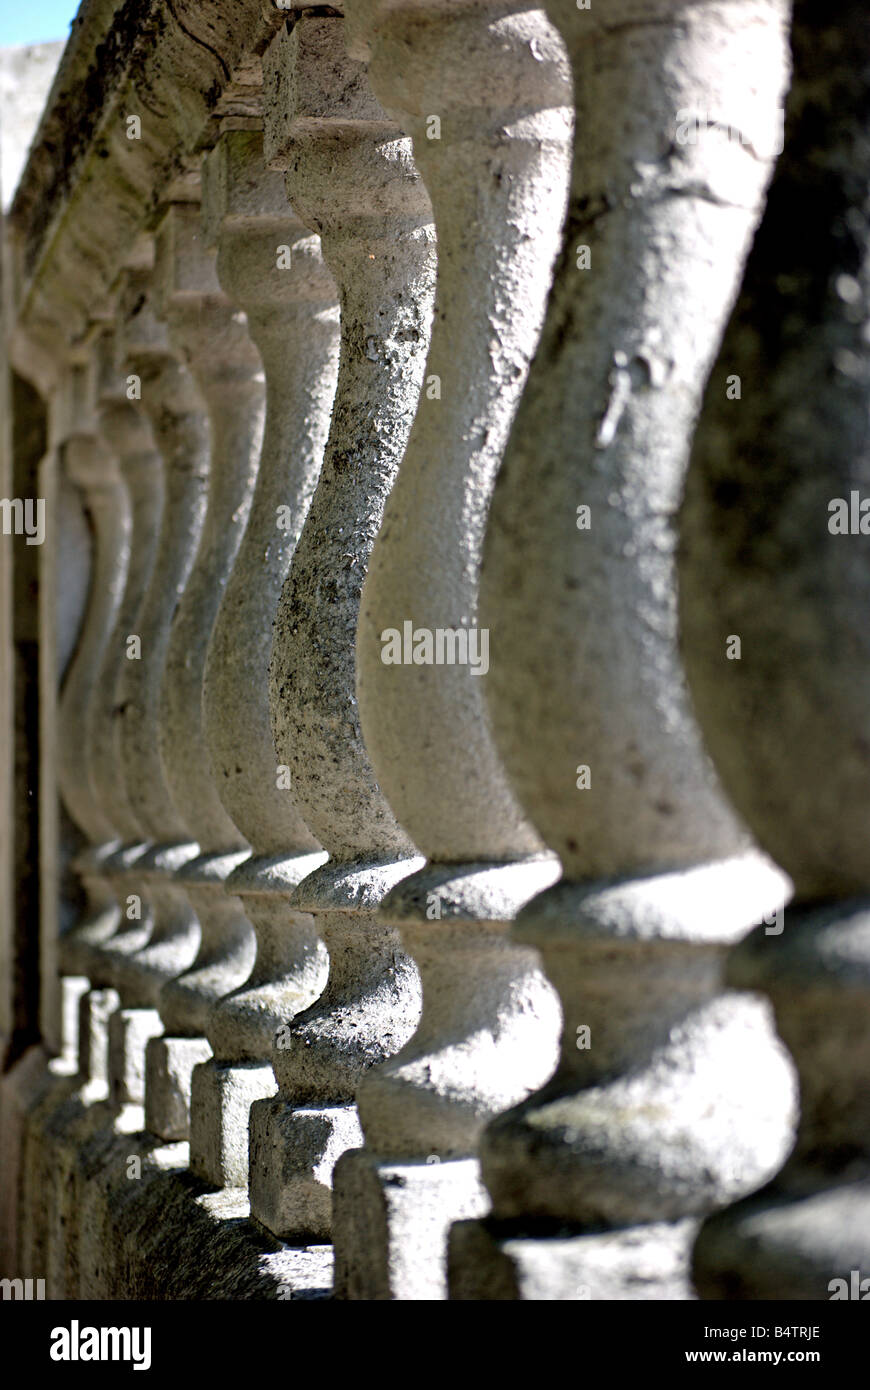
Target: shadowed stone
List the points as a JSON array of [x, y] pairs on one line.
[[671, 1094]]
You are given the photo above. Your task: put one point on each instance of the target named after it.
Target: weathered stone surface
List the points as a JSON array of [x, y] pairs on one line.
[[293, 1153], [392, 1221], [381, 826], [220, 1102], [173, 65], [126, 432], [211, 336], [603, 752], [270, 265], [645, 1262], [351, 179], [169, 1064], [95, 471], [787, 724], [129, 1033], [175, 409]]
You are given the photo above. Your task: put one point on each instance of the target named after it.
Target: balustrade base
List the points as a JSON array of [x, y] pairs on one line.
[[103, 1210], [775, 1245], [80, 1152], [643, 1262], [221, 1097], [139, 969], [129, 1034], [73, 989], [51, 1127], [293, 1151], [810, 1226], [95, 1009], [227, 946], [80, 946], [392, 1221], [169, 1064]]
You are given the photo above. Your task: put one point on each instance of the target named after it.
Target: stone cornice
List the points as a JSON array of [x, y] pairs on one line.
[[88, 190]]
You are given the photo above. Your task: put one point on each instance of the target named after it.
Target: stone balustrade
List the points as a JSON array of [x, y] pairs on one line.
[[271, 266], [597, 1181], [786, 724], [497, 177], [351, 179], [418, 686]]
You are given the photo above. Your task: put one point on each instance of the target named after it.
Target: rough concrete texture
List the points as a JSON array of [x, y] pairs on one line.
[[51, 1131], [292, 962], [648, 1262], [96, 1225], [497, 175], [787, 724], [169, 1064], [292, 315], [668, 226], [175, 410], [95, 472], [226, 949], [394, 1220], [220, 1101], [365, 199], [293, 1153], [497, 178], [211, 336], [370, 1005], [626, 1133], [136, 967], [489, 1030], [82, 160], [129, 1034], [126, 433], [139, 971]]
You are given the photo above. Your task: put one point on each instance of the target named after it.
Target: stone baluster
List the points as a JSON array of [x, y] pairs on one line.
[[124, 429], [211, 335], [485, 92], [270, 265], [88, 463], [94, 469], [350, 178], [671, 1095], [774, 560], [163, 941]]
